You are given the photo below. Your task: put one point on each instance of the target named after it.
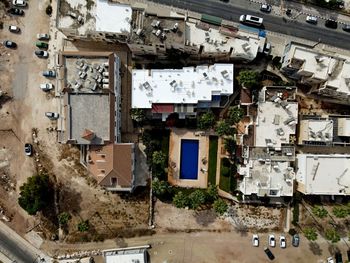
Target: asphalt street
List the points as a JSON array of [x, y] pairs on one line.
[[271, 22], [14, 251]]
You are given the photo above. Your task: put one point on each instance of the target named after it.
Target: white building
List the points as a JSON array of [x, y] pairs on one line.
[[276, 120], [165, 91], [98, 20], [328, 74], [126, 255], [320, 174]]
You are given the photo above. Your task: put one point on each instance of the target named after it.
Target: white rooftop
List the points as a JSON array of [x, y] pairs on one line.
[[214, 41], [275, 123], [320, 130], [344, 127], [271, 178], [180, 86], [126, 258], [113, 17], [342, 80], [323, 174]]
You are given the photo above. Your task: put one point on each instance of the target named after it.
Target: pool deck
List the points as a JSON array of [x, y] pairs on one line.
[[176, 136]]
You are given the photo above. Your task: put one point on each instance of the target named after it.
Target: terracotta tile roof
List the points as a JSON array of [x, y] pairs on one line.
[[112, 161], [162, 108], [246, 97]]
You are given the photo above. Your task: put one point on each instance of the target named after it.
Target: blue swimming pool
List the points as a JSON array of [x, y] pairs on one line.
[[189, 159]]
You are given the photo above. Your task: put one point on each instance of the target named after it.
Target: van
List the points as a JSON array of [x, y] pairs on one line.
[[251, 20]]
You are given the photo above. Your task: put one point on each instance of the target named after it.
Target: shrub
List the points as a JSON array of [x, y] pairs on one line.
[[319, 211], [295, 220], [310, 233], [180, 200], [83, 226], [341, 212], [160, 188], [63, 218], [224, 128], [248, 78], [196, 199], [332, 235], [206, 121], [234, 115], [212, 193], [220, 206]]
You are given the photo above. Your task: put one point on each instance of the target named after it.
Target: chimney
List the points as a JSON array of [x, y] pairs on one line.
[[88, 135]]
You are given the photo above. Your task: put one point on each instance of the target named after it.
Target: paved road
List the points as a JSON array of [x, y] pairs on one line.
[[271, 22], [13, 250]]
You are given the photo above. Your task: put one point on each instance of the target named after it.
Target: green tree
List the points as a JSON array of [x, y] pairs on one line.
[[196, 199], [234, 114], [310, 233], [158, 158], [206, 121], [230, 146], [160, 188], [83, 226], [36, 194], [212, 193], [63, 218], [319, 211], [137, 115], [248, 78], [223, 128], [220, 206], [180, 200], [341, 212], [332, 235]]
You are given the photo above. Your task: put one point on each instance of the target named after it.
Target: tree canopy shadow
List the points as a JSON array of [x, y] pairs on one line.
[[315, 248], [205, 217], [69, 200]]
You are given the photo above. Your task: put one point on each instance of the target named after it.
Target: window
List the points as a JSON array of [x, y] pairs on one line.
[[114, 181]]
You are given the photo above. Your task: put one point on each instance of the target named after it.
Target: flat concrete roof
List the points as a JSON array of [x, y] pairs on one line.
[[89, 111], [213, 41], [318, 130], [180, 86], [323, 174], [274, 123], [113, 17], [274, 179]]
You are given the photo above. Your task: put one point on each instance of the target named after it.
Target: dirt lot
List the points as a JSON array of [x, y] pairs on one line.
[[239, 219], [109, 215]]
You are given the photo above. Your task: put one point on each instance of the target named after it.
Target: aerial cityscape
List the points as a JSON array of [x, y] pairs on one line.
[[170, 131]]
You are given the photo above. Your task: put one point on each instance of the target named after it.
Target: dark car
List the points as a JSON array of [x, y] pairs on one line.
[[49, 73], [265, 8], [269, 253], [295, 240], [331, 23], [41, 53], [338, 257], [28, 149], [10, 44], [15, 11], [346, 28], [41, 44]]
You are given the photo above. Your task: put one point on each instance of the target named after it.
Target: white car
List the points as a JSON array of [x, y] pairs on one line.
[[20, 3], [255, 240], [14, 29], [311, 19], [43, 36], [46, 86], [330, 260], [52, 115], [272, 241], [283, 243]]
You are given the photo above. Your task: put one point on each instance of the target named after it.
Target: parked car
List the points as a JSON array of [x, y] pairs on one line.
[[14, 29], [40, 44], [52, 115], [19, 3], [15, 11], [330, 260], [331, 23], [338, 257], [41, 53], [283, 243], [267, 48], [272, 241], [295, 240], [311, 19], [265, 8], [346, 28], [269, 253], [28, 149], [251, 20], [46, 86], [10, 44], [43, 36], [255, 240], [49, 73]]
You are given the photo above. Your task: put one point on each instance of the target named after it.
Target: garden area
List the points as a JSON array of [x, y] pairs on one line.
[[228, 182], [213, 149]]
